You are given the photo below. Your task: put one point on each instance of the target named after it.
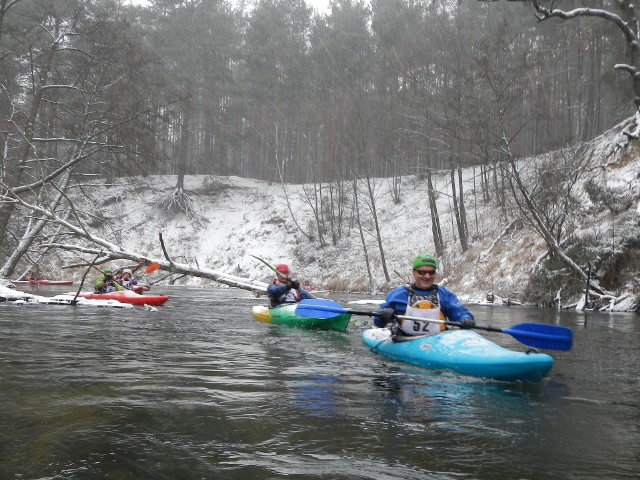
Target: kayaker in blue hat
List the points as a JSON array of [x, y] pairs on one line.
[[283, 289], [424, 299]]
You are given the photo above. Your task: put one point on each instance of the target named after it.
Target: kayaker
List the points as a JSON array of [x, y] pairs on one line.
[[127, 280], [425, 299], [283, 289], [34, 277], [107, 283]]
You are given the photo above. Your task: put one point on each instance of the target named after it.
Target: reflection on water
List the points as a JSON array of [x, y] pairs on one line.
[[200, 390], [316, 394]]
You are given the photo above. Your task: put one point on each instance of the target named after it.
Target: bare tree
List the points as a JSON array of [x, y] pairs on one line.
[[5, 6], [628, 25], [436, 230], [34, 227], [458, 209], [73, 109], [528, 206], [313, 197], [361, 233], [358, 140]]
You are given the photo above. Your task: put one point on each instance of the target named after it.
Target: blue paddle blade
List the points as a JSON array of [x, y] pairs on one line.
[[319, 308], [539, 335]]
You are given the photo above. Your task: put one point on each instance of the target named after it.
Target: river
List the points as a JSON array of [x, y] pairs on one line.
[[200, 390]]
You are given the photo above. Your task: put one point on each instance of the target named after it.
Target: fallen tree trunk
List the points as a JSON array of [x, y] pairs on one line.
[[109, 251], [169, 266]]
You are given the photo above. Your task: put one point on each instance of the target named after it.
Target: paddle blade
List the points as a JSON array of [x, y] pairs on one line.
[[539, 335], [152, 268], [319, 308]]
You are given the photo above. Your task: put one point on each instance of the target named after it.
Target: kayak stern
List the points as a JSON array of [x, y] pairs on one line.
[[286, 315]]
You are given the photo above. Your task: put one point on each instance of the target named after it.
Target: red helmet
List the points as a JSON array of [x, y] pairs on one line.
[[283, 269]]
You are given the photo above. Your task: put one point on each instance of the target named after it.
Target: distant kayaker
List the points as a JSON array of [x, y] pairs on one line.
[[283, 289], [34, 277], [127, 280], [423, 299], [107, 283]]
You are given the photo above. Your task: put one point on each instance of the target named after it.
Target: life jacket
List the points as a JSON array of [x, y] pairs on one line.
[[106, 288], [290, 296], [422, 306], [128, 283]]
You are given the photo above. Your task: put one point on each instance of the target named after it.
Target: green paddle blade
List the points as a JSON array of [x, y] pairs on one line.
[[539, 335]]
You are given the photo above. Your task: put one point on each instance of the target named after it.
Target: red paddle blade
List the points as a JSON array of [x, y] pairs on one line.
[[152, 268]]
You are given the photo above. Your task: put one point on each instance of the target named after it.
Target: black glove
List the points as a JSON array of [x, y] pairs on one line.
[[294, 284], [387, 315], [467, 323]]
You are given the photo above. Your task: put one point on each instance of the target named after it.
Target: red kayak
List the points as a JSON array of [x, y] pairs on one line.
[[127, 297], [42, 282]]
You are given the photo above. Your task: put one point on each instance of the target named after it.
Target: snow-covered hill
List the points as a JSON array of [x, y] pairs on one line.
[[236, 218]]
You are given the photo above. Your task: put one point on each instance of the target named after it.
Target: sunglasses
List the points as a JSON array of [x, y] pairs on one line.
[[426, 272]]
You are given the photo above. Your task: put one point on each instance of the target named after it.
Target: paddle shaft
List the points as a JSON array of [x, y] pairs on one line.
[[276, 271], [489, 328], [420, 319], [273, 268], [151, 268], [534, 335], [375, 313]]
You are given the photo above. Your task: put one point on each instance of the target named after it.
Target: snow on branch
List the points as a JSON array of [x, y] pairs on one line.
[[623, 66], [633, 132], [546, 13], [111, 250], [503, 234]]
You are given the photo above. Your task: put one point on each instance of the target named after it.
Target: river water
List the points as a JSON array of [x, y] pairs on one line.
[[200, 390]]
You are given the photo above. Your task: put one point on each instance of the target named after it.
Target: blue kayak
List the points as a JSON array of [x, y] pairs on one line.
[[464, 352]]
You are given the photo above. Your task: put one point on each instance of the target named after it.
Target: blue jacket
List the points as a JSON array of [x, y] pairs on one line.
[[276, 290], [450, 306]]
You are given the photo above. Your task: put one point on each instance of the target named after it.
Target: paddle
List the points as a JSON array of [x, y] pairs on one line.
[[152, 267], [272, 268], [538, 335]]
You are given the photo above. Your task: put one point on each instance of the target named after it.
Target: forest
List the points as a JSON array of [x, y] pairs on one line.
[[103, 90]]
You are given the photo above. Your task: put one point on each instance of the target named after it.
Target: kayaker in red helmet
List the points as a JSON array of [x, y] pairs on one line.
[[424, 299], [283, 269], [283, 289]]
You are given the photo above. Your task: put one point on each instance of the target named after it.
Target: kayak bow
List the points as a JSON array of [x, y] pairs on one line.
[[127, 296]]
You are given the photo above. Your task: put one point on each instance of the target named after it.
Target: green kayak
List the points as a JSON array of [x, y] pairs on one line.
[[286, 315]]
